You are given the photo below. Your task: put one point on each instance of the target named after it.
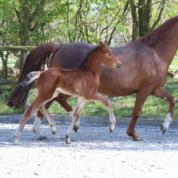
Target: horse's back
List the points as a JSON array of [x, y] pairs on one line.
[[71, 55]]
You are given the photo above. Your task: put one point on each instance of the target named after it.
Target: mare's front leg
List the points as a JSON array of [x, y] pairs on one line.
[[75, 118], [140, 99], [29, 111], [170, 99], [105, 100]]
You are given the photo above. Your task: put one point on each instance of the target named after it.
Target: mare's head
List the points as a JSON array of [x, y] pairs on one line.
[[107, 57]]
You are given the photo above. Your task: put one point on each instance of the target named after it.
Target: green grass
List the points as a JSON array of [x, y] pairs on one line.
[[153, 107], [4, 109]]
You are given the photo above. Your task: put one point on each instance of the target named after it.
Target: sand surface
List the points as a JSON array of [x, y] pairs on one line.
[[93, 153]]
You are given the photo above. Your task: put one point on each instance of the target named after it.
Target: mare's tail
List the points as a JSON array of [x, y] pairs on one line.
[[34, 61]]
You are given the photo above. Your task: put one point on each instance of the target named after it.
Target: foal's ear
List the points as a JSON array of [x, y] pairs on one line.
[[103, 44]]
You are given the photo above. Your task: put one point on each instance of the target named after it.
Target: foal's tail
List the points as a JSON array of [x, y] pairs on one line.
[[34, 61], [30, 78]]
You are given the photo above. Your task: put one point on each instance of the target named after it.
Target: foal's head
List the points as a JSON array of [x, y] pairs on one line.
[[107, 57]]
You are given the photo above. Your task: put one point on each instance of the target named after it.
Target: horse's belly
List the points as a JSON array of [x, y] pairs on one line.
[[116, 90], [114, 83]]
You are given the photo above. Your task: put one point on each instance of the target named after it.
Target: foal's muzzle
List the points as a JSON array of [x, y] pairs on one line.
[[118, 65]]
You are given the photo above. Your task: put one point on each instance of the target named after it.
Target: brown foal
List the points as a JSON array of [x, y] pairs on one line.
[[82, 83]]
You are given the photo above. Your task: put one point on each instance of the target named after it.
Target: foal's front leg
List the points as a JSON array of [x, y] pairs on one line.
[[105, 100], [75, 118]]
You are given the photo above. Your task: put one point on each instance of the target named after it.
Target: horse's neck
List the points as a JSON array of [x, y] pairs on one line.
[[167, 46], [93, 64], [164, 40]]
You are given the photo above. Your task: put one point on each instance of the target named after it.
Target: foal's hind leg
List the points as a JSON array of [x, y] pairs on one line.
[[62, 100], [29, 111], [170, 99], [36, 128], [75, 118], [51, 121]]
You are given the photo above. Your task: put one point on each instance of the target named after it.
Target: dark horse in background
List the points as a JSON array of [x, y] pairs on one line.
[[145, 64]]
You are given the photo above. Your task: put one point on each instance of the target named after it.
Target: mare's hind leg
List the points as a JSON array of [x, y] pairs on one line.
[[170, 99], [62, 100], [75, 118], [29, 111]]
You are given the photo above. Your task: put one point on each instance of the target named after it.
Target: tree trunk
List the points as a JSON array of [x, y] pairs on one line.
[[4, 58], [144, 15], [135, 25], [141, 16]]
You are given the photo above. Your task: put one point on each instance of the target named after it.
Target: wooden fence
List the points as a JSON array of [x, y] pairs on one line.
[[9, 56]]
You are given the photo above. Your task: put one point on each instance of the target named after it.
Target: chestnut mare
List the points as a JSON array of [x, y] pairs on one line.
[[145, 64], [82, 83]]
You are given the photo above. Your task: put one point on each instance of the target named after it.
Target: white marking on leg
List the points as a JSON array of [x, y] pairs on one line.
[[75, 117], [112, 119], [78, 123], [20, 129], [36, 126], [17, 137], [167, 121], [51, 121]]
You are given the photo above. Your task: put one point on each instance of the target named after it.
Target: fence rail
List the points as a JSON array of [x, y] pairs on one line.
[[11, 60], [16, 48]]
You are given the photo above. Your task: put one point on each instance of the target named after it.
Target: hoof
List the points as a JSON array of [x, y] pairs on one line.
[[33, 130], [53, 132], [16, 141], [111, 128], [42, 137], [163, 128], [53, 128], [76, 128], [135, 136], [67, 139]]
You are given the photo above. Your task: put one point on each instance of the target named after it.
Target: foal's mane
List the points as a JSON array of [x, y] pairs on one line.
[[88, 55], [155, 36]]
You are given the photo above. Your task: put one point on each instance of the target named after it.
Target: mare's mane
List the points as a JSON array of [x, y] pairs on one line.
[[155, 36], [88, 55]]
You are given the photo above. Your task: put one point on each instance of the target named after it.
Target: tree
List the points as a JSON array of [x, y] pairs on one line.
[[91, 21], [143, 17]]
